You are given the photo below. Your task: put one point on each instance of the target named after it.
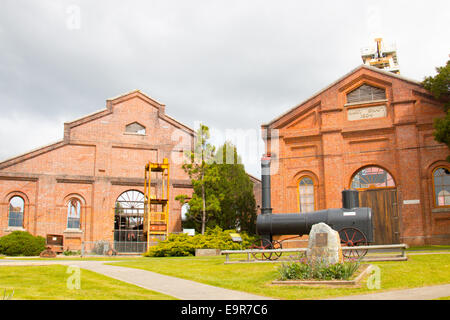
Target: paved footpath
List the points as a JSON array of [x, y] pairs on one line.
[[422, 293], [172, 286], [191, 290]]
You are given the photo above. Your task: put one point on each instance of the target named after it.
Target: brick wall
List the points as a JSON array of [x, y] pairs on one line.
[[96, 162], [317, 139]]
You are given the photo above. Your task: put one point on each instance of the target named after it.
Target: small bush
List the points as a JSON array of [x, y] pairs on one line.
[[184, 245], [72, 253], [21, 243], [306, 271]]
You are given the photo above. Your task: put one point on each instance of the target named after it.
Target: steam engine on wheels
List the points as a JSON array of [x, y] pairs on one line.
[[353, 223]]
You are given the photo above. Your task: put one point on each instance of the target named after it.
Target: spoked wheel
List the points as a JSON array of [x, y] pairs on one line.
[[262, 244], [276, 245], [352, 237]]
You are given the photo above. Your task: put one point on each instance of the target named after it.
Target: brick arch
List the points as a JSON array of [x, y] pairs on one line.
[[74, 195], [303, 173], [359, 168], [430, 175], [82, 208], [26, 206], [296, 180], [434, 165], [16, 193]]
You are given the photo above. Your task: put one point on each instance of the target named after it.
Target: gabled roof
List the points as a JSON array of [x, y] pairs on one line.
[[93, 116], [124, 97], [363, 66]]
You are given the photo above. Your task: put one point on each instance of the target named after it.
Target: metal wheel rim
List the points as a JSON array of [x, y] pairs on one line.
[[353, 237], [276, 245], [261, 245]]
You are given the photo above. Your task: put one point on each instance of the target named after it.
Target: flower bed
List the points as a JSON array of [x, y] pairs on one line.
[[304, 273]]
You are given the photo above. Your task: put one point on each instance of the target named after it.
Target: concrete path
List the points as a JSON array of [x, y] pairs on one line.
[[422, 293], [172, 286], [191, 290]]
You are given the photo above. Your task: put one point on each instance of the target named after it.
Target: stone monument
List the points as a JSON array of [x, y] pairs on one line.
[[324, 245]]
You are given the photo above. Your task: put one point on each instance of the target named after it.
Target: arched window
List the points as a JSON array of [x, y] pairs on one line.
[[372, 177], [441, 186], [306, 195], [184, 209], [16, 208], [129, 217], [73, 213]]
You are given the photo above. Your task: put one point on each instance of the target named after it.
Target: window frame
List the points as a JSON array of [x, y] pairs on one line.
[[9, 212], [136, 133], [69, 202], [433, 190], [365, 101], [313, 194]]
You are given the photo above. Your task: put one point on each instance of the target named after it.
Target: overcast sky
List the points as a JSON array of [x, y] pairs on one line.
[[233, 65]]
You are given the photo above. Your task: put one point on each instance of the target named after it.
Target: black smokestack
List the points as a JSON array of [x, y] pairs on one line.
[[350, 199], [265, 181]]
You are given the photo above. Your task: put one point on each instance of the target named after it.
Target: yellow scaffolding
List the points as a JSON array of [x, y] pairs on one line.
[[156, 208]]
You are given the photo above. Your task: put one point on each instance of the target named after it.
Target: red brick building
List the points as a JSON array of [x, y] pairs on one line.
[[71, 187], [370, 130]]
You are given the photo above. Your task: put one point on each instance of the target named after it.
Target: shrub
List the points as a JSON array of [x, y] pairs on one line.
[[306, 271], [72, 253], [21, 243], [184, 245]]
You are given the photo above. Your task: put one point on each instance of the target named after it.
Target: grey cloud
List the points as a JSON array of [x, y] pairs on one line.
[[230, 64]]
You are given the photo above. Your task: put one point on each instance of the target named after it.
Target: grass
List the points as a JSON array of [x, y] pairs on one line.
[[50, 283], [72, 258], [430, 248], [419, 270]]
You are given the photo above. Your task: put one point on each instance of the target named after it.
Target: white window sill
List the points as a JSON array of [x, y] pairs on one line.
[[72, 230], [11, 229], [364, 102], [442, 209], [135, 134]]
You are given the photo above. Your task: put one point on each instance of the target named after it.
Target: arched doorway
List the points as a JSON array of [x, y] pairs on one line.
[[129, 222], [377, 190]]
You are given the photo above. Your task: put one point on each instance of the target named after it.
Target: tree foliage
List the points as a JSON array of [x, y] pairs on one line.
[[223, 193], [204, 203], [439, 86], [184, 245], [237, 204]]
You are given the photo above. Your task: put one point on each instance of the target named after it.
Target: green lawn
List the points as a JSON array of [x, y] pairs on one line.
[[430, 248], [50, 283], [74, 258], [419, 270]]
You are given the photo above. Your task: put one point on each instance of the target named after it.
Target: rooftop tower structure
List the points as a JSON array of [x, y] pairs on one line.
[[382, 56]]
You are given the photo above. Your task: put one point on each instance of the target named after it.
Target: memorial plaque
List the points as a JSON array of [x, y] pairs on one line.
[[366, 113], [321, 239]]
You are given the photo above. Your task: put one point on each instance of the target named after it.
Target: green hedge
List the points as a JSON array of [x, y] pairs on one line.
[[21, 243], [184, 245]]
